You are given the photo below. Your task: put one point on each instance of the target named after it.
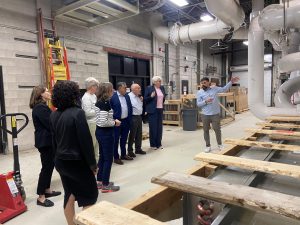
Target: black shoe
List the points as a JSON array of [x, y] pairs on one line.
[[52, 194], [126, 157], [46, 203], [141, 152], [118, 161], [131, 154]]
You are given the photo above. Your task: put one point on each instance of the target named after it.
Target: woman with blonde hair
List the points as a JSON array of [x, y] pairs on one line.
[[154, 103], [43, 142]]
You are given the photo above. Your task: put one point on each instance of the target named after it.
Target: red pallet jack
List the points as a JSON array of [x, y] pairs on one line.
[[12, 193]]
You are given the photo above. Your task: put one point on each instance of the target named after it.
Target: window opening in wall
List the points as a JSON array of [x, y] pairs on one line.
[[3, 135], [128, 69]]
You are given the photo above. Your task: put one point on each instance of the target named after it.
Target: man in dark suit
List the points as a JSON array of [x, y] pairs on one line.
[[121, 105], [154, 100]]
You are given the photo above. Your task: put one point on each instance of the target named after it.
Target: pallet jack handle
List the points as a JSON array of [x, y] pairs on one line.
[[13, 122], [14, 132]]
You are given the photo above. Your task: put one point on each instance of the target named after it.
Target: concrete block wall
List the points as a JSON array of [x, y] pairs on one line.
[[19, 73], [85, 53]]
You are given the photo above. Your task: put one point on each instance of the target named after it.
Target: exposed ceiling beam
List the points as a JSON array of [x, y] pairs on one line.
[[125, 5], [73, 6]]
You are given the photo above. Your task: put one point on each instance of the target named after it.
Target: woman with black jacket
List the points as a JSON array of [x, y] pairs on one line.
[[43, 142], [74, 151]]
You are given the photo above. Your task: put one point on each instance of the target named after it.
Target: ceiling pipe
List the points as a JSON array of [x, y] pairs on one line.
[[176, 34], [256, 75], [233, 17], [284, 93], [289, 63], [272, 18]]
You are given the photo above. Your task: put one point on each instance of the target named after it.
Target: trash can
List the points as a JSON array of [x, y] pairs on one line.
[[189, 119]]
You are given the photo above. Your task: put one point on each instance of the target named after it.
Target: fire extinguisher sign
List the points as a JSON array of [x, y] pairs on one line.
[[12, 186]]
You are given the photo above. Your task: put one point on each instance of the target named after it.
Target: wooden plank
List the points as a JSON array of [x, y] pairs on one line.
[[259, 144], [284, 118], [270, 132], [239, 195], [279, 125], [251, 164], [283, 137], [226, 110], [226, 94], [106, 213]]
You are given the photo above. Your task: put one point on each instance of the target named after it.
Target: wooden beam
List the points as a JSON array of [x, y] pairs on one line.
[[251, 164], [239, 195], [226, 110], [283, 137], [106, 213], [284, 118], [279, 125], [259, 144], [273, 132]]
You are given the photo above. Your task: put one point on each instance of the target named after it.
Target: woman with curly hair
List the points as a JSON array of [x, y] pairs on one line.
[[42, 137], [74, 157]]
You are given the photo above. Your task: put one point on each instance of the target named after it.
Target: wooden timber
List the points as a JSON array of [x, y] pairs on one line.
[[106, 213], [267, 145], [284, 118], [275, 132], [240, 195], [251, 164], [279, 125]]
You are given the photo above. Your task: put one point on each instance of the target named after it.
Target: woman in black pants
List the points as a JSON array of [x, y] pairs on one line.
[[74, 152], [105, 136], [43, 142]]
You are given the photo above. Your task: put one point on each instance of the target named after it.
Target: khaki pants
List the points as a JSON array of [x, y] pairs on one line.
[[92, 127], [215, 121]]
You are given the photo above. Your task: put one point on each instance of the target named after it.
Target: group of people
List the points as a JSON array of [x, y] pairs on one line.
[[82, 140]]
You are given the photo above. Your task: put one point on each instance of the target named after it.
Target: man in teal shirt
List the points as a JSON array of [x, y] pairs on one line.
[[208, 101]]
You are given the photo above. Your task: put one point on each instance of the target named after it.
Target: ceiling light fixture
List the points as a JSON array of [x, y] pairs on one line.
[[206, 17], [245, 43], [180, 3]]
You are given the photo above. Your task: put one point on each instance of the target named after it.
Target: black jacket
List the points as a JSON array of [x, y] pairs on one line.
[[150, 103], [72, 139], [41, 121]]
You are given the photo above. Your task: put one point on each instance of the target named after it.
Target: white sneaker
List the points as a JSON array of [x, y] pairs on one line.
[[221, 147], [207, 149]]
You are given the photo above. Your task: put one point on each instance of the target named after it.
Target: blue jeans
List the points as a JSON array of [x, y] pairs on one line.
[[105, 137]]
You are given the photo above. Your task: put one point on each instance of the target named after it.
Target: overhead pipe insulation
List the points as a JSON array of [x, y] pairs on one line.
[[233, 17], [215, 29], [256, 75]]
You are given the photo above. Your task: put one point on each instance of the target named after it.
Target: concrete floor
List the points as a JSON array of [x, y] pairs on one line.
[[134, 177]]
